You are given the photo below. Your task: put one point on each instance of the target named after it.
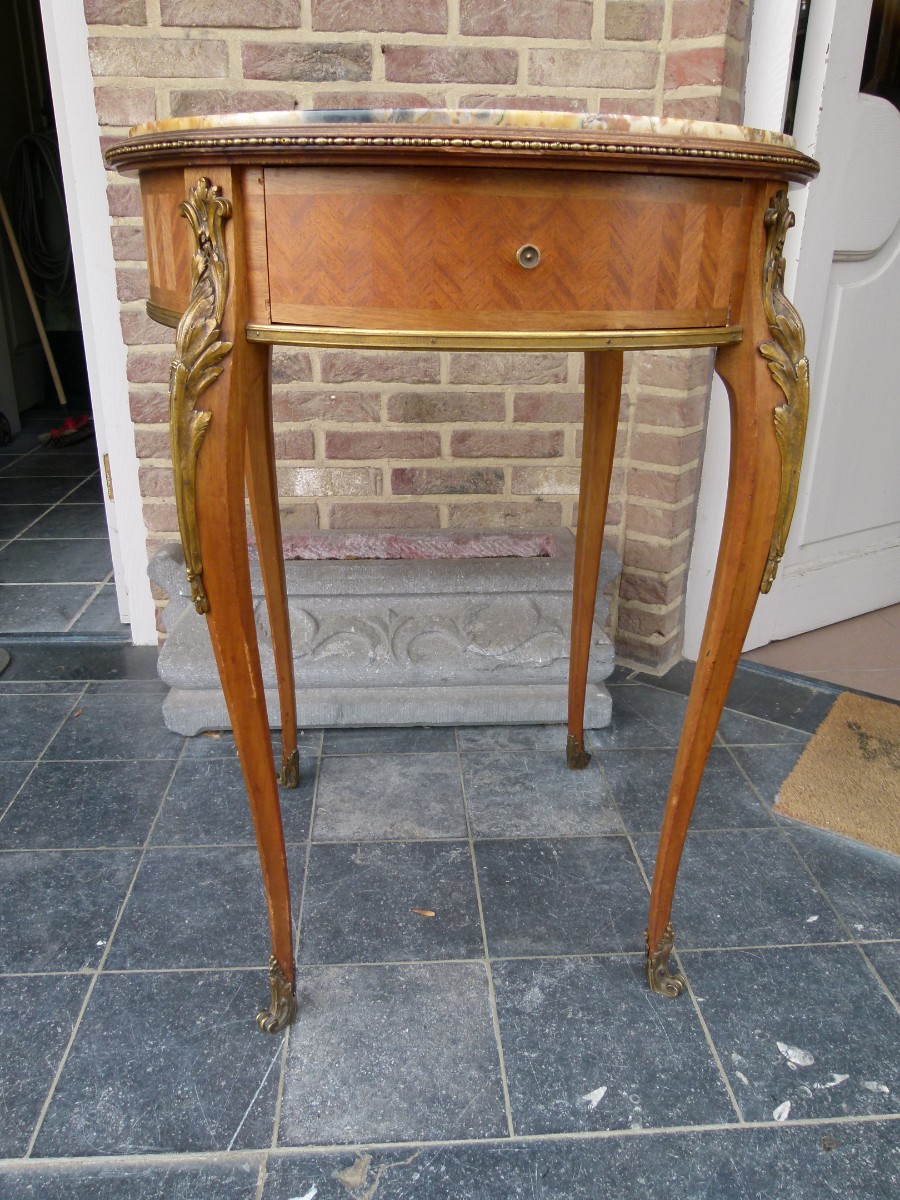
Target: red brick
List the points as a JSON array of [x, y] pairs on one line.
[[636, 108], [306, 62], [422, 481], [128, 245], [439, 64], [529, 514], [432, 407], [659, 625], [504, 369], [151, 443], [661, 557], [149, 365], [386, 99], [593, 68], [676, 369], [546, 481], [124, 199], [371, 444], [294, 443], [701, 66], [271, 14], [316, 482], [633, 20], [148, 407], [388, 366], [385, 516], [666, 486], [381, 16], [506, 443], [669, 450], [548, 406], [676, 411], [710, 18], [290, 365], [158, 58], [156, 481], [296, 405], [654, 656], [115, 12], [208, 101], [295, 518], [515, 100], [651, 589], [527, 18], [139, 330], [693, 108], [124, 106], [654, 521], [160, 518]]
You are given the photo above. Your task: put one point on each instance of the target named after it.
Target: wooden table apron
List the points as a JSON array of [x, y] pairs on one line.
[[532, 242]]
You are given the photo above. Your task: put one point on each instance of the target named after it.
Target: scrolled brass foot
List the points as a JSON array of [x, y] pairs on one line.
[[659, 978], [290, 770], [577, 758], [283, 1008]]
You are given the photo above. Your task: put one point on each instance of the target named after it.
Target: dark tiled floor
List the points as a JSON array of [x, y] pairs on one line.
[[504, 1046], [55, 565]]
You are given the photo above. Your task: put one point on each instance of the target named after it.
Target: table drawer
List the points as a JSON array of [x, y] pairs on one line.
[[425, 248]]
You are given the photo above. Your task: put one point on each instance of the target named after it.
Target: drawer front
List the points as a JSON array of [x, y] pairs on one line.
[[168, 237], [426, 248]]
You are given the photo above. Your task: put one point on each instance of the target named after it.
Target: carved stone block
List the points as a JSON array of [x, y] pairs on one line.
[[408, 641]]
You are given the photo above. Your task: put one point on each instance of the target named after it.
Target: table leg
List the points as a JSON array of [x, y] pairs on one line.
[[217, 376], [766, 376], [602, 394], [262, 488]]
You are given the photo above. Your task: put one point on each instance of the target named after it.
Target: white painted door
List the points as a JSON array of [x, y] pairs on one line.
[[843, 556]]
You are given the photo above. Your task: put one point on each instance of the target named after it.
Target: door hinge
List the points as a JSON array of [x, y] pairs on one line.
[[108, 474]]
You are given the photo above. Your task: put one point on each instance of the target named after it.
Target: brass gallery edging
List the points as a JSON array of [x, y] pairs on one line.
[[790, 368]]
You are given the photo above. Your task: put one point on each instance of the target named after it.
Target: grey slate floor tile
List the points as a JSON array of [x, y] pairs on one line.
[[34, 489], [102, 615], [57, 909], [862, 883], [391, 1054], [768, 767], [72, 521], [377, 796], [885, 957], [166, 1062], [115, 726], [39, 1014], [512, 737], [207, 804], [41, 607], [744, 888], [85, 804], [532, 793], [56, 561], [431, 740], [587, 1048], [89, 492], [854, 1162], [198, 907], [29, 722], [739, 729], [640, 784], [168, 1181], [14, 518], [360, 900], [12, 776], [641, 717], [807, 1027], [561, 896]]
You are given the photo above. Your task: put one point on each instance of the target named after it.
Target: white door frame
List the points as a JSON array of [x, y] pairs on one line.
[[768, 78], [71, 84]]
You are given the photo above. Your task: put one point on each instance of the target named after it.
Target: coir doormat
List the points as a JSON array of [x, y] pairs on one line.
[[848, 777]]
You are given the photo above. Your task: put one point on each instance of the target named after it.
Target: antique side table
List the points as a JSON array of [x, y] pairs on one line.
[[479, 231]]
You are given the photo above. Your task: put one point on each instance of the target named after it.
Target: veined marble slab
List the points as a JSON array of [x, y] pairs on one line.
[[619, 125]]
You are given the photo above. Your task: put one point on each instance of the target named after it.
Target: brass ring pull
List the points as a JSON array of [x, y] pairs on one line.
[[528, 256]]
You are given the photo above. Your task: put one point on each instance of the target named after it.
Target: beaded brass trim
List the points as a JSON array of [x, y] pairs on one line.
[[137, 148], [790, 369], [283, 1008], [197, 364], [659, 977]]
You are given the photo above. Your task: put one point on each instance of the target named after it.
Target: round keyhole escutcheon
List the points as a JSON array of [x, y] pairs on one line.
[[528, 256]]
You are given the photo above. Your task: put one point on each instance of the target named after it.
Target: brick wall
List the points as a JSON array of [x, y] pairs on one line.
[[435, 440]]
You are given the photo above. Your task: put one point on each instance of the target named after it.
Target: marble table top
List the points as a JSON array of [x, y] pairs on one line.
[[670, 127]]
